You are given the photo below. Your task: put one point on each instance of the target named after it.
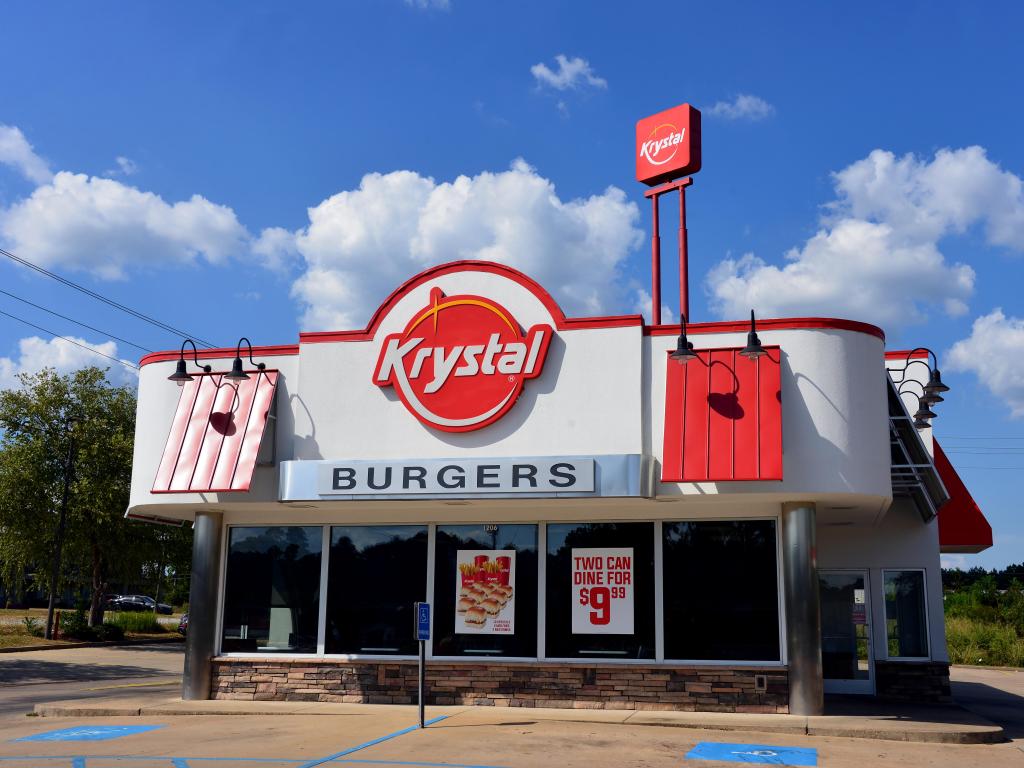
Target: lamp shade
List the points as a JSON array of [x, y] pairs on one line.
[[935, 385], [236, 374], [180, 375]]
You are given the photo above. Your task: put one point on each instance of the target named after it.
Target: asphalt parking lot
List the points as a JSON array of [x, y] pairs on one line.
[[469, 737]]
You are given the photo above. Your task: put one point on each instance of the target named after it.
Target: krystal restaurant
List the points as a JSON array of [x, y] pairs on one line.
[[602, 513]]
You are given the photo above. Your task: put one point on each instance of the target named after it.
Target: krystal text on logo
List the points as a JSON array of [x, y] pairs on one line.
[[461, 362], [655, 148]]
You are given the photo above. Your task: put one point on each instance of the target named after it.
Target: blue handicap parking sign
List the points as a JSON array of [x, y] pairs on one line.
[[754, 753], [90, 733], [422, 621]]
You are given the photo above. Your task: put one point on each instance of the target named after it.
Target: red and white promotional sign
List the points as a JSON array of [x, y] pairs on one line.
[[485, 597], [602, 591], [461, 362], [668, 145]]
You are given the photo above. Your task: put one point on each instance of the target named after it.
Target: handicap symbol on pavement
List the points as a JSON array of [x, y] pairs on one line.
[[754, 753], [90, 733]]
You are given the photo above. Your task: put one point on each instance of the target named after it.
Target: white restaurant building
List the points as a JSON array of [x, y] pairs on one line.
[[594, 522]]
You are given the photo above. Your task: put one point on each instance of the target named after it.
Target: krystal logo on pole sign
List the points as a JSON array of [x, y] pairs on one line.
[[668, 145], [461, 362]]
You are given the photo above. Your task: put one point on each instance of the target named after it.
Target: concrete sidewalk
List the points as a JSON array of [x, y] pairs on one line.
[[945, 724]]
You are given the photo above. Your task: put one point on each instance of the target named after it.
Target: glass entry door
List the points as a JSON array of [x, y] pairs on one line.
[[846, 658]]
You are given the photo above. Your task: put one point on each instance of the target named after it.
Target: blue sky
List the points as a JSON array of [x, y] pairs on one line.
[[283, 166]]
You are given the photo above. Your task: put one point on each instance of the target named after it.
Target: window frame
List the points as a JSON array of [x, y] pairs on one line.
[[927, 615]]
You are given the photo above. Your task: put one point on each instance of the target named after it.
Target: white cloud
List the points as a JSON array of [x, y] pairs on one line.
[[125, 167], [35, 353], [16, 152], [361, 243], [954, 561], [877, 256], [743, 107], [104, 227], [426, 5], [642, 306], [995, 353], [572, 74]]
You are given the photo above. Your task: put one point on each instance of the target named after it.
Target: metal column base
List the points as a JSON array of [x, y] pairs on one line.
[[201, 640], [803, 609]]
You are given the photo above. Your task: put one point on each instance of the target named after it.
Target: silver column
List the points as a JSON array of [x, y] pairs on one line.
[[803, 609], [201, 640]]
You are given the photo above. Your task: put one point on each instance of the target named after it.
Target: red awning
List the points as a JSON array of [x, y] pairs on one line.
[[216, 434], [962, 525], [723, 418]]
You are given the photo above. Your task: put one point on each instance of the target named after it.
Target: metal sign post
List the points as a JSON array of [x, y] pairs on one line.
[[422, 632]]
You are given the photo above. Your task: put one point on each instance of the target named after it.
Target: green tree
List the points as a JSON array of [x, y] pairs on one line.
[[83, 413]]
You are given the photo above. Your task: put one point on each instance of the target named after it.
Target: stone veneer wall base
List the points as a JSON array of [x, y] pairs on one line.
[[536, 684], [913, 680]]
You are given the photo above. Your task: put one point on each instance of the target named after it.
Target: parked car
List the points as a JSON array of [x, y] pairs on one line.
[[183, 624], [138, 603]]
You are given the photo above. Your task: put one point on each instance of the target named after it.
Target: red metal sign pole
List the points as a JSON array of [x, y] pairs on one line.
[[655, 265], [684, 284]]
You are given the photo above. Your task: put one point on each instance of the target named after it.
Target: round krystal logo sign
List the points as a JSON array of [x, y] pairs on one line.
[[662, 144], [461, 362]]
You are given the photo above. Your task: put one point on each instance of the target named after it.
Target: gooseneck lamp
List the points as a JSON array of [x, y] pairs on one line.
[[753, 350], [181, 374], [237, 374], [930, 391], [684, 348]]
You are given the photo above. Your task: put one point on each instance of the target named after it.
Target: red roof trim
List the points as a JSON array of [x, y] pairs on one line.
[[962, 524], [280, 350], [901, 354], [769, 324]]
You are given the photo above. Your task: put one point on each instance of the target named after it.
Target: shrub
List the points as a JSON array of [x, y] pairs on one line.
[[75, 626], [33, 626], [109, 631], [144, 622], [971, 641]]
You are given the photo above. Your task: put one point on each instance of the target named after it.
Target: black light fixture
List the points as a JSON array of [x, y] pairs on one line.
[[753, 350], [923, 412], [181, 374], [921, 424], [684, 348], [237, 374], [935, 385]]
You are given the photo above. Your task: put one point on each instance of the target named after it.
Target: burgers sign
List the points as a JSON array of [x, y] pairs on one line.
[[461, 362]]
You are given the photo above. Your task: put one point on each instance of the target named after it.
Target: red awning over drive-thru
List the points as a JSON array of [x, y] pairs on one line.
[[962, 525], [723, 418], [216, 434]]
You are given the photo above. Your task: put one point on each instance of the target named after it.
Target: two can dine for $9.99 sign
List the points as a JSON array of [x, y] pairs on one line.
[[461, 362]]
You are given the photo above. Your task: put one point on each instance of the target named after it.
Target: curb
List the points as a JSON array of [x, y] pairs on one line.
[[797, 726], [92, 644]]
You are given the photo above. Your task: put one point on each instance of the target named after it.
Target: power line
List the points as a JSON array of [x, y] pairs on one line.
[[105, 300], [70, 341], [76, 322]]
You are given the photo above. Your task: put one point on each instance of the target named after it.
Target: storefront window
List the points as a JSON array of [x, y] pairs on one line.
[[485, 590], [600, 591], [272, 590], [721, 590], [375, 574], [906, 620]]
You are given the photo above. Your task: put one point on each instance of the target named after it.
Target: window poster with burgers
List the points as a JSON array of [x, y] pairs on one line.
[[485, 592]]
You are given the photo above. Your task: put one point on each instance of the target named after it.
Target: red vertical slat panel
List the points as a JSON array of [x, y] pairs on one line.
[[672, 455], [695, 436], [172, 450], [769, 415], [195, 433], [723, 418], [746, 445], [233, 442], [723, 412], [267, 384], [221, 422]]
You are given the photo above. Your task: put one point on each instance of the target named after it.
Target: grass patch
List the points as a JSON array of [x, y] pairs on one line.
[[141, 623], [973, 641], [15, 636]]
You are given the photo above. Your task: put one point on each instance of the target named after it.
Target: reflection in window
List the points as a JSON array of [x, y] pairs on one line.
[[905, 617], [721, 590], [272, 589], [485, 590], [600, 591], [375, 575]]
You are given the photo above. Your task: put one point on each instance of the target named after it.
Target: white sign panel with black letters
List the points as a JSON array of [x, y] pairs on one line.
[[455, 476]]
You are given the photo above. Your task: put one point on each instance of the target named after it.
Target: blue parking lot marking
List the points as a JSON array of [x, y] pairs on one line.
[[754, 753], [90, 733]]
